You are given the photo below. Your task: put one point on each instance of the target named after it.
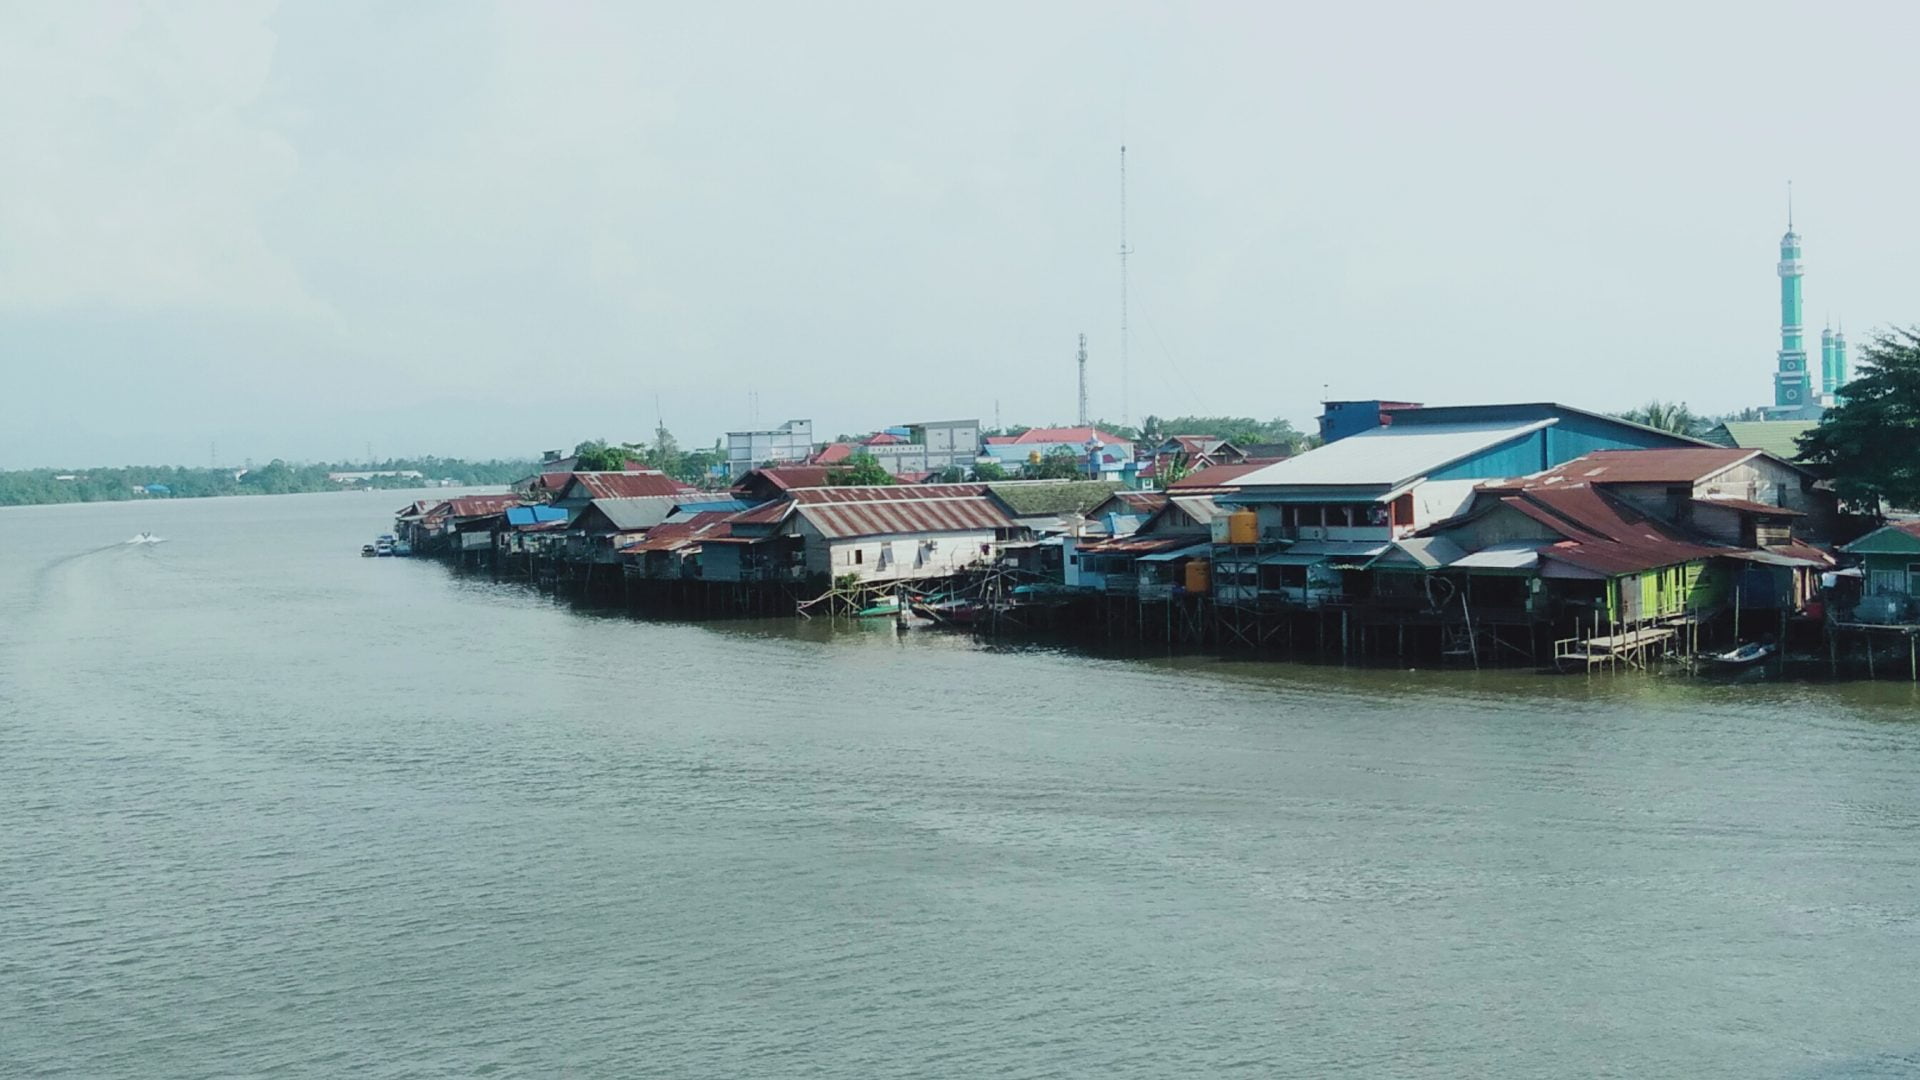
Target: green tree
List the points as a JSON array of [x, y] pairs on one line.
[[595, 455], [989, 471], [1060, 463], [860, 470], [1871, 438], [952, 474], [666, 451], [1667, 416]]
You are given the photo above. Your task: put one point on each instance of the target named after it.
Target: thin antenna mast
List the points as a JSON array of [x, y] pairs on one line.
[[1083, 380], [1125, 372]]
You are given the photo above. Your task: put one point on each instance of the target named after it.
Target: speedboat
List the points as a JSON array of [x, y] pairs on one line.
[[367, 552]]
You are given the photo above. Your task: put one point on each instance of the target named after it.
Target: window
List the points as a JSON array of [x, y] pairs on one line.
[[859, 556]]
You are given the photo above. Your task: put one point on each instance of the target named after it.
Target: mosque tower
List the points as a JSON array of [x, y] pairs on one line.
[[1792, 391], [1839, 377], [1828, 381]]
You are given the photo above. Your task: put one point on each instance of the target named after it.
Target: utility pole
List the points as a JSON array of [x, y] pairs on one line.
[[1083, 380], [1125, 370]]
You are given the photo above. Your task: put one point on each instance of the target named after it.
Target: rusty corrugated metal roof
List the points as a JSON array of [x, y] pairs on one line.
[[626, 485], [839, 520], [885, 493], [468, 506], [1677, 465]]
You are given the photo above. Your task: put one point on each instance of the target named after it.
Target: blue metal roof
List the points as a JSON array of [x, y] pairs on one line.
[[534, 515]]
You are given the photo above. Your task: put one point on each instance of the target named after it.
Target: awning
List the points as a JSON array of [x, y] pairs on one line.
[[1520, 555], [1187, 552]]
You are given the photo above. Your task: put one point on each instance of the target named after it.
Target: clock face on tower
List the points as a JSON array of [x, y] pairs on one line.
[[1791, 365], [1792, 394]]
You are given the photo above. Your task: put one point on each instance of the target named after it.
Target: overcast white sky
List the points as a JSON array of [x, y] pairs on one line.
[[489, 228]]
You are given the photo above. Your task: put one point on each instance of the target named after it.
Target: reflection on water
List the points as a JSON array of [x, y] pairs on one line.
[[273, 807]]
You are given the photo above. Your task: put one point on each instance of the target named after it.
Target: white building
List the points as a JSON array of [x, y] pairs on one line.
[[790, 442]]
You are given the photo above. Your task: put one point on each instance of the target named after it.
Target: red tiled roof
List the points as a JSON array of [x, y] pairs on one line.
[[882, 438], [1680, 465], [832, 454], [627, 485]]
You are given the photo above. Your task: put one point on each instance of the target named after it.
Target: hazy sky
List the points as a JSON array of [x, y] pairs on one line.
[[477, 229]]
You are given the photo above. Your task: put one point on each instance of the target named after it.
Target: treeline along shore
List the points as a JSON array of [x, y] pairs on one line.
[[1534, 535], [35, 487]]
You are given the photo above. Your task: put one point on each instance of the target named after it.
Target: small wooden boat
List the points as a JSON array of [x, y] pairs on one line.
[[1751, 653]]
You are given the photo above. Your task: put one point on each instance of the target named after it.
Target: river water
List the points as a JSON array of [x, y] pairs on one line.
[[273, 809]]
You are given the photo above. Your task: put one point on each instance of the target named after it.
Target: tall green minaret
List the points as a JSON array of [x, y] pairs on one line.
[[1791, 390], [1839, 377], [1829, 379]]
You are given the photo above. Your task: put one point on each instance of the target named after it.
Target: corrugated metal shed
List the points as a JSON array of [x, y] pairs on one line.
[[1387, 457]]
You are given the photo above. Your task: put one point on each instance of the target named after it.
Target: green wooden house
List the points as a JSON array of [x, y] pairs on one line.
[[1890, 559]]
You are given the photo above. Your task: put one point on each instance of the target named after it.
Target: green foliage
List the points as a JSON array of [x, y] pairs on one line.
[[1871, 439], [1238, 430], [1669, 416], [989, 471], [860, 470], [1061, 463], [278, 477], [952, 474], [597, 455]]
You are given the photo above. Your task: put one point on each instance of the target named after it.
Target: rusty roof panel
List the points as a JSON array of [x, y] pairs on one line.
[[893, 517]]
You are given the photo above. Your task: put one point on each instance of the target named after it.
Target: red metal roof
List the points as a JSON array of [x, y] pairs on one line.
[[1748, 506], [468, 506], [788, 477], [882, 438], [671, 536], [1220, 476], [885, 517], [832, 454], [1679, 465], [1140, 545], [885, 493], [1603, 535], [1143, 501], [627, 485]]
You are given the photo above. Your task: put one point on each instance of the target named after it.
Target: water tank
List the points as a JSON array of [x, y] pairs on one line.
[[1243, 527], [1198, 576]]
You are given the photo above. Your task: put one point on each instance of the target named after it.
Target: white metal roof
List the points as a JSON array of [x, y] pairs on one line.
[[1514, 555], [1387, 456]]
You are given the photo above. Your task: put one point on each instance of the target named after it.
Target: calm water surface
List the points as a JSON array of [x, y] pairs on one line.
[[267, 808]]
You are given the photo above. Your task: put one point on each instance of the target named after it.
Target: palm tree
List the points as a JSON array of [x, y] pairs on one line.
[[1666, 416]]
